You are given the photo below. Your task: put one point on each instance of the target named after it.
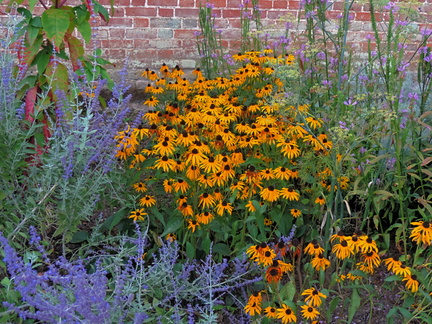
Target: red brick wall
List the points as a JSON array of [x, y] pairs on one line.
[[150, 32]]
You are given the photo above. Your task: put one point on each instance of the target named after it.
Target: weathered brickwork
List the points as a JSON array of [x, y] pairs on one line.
[[150, 32]]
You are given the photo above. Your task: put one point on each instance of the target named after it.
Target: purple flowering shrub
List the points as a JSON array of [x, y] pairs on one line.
[[162, 289]]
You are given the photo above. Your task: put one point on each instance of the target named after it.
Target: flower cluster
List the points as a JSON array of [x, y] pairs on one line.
[[225, 145]]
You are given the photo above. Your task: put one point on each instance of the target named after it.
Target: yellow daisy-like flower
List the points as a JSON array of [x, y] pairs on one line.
[[402, 270], [250, 206], [411, 282], [313, 248], [204, 218], [289, 194], [320, 200], [342, 250], [286, 314], [368, 245], [140, 187], [270, 312], [151, 102], [295, 212], [320, 263], [253, 306], [147, 201], [422, 233], [192, 225], [171, 237], [309, 312], [313, 297], [392, 263], [270, 193], [372, 259], [137, 214]]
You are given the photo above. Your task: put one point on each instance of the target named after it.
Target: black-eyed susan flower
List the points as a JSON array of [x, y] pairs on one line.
[[206, 200], [167, 184], [368, 245], [268, 221], [253, 306], [402, 270], [140, 187], [319, 262], [205, 217], [295, 212], [193, 172], [250, 206], [273, 274], [372, 259], [151, 102], [137, 214], [180, 186], [320, 200], [286, 314], [224, 206], [270, 312], [186, 209], [270, 193], [411, 282], [313, 122], [313, 248], [289, 194], [171, 237], [338, 237], [309, 312], [422, 232], [192, 225], [342, 250], [313, 297], [165, 163], [282, 173], [392, 263], [147, 201]]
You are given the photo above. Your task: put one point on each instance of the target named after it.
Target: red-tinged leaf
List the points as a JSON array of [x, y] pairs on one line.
[[30, 101], [426, 161], [76, 50], [57, 75], [45, 129]]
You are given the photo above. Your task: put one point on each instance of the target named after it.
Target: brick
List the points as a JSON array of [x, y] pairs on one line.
[[138, 3], [116, 54], [186, 3], [272, 14], [216, 3], [231, 13], [362, 16], [294, 4], [141, 22], [187, 13], [165, 33], [164, 44], [190, 23], [165, 23], [163, 3], [140, 33], [116, 33], [166, 54], [165, 12], [120, 21], [279, 4], [184, 34], [265, 4], [234, 3], [117, 43], [234, 23], [141, 12]]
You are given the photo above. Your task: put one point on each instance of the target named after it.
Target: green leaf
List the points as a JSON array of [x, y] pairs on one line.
[[85, 30], [55, 23], [354, 306], [190, 250], [113, 220], [222, 249], [173, 226], [405, 312], [79, 237], [333, 304], [25, 13], [206, 243], [288, 291], [392, 278], [42, 60]]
